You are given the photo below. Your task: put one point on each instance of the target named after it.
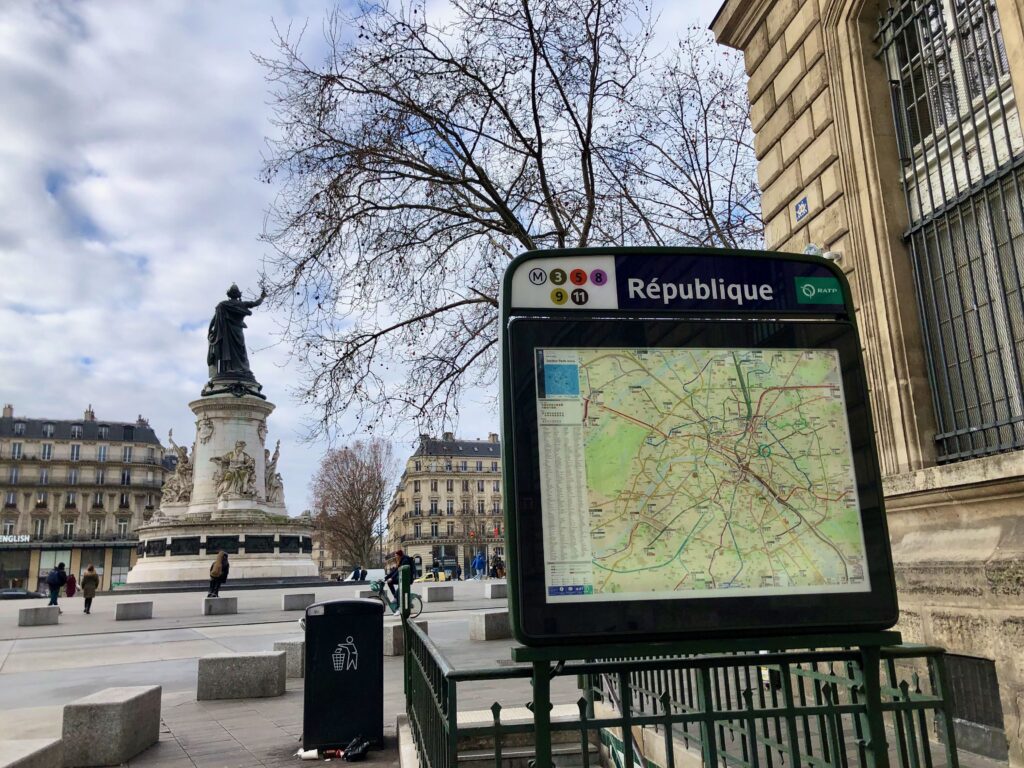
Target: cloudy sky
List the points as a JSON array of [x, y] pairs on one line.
[[131, 136]]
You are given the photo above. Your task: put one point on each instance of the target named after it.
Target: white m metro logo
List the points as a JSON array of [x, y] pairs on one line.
[[345, 656]]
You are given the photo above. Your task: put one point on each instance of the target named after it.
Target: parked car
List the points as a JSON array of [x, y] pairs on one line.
[[18, 594], [429, 576]]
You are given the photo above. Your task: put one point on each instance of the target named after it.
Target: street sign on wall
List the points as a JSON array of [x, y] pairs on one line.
[[688, 448]]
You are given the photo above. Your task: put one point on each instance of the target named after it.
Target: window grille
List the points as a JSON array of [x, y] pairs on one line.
[[962, 153]]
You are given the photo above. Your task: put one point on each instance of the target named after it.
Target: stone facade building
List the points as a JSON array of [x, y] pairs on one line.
[[887, 132], [74, 492], [448, 503]]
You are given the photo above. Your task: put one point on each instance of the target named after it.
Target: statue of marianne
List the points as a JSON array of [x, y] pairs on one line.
[[227, 356]]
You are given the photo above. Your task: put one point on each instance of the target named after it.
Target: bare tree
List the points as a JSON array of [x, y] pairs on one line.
[[350, 493], [419, 158]]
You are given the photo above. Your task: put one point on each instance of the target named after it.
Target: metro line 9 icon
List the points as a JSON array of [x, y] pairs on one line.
[[559, 295]]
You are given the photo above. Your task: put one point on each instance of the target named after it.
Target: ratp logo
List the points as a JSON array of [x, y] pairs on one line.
[[818, 290], [345, 656]]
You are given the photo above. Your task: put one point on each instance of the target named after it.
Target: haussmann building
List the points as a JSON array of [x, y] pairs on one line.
[[888, 132], [74, 491]]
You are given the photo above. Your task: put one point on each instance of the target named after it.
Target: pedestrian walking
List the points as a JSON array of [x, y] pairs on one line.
[[458, 572], [218, 573], [72, 585], [479, 564], [90, 583], [56, 579]]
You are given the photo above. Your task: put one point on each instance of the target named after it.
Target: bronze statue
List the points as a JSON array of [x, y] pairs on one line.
[[227, 356]]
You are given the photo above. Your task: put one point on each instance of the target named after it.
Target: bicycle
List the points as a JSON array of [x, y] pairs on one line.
[[415, 603]]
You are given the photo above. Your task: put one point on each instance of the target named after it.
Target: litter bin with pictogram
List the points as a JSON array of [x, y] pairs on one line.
[[344, 695]]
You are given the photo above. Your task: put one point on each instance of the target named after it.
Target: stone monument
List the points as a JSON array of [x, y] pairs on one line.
[[226, 493]]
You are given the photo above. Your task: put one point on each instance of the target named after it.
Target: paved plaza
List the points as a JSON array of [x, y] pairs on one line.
[[43, 668]]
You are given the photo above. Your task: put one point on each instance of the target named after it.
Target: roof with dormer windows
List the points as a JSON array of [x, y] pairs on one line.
[[466, 449], [117, 431]]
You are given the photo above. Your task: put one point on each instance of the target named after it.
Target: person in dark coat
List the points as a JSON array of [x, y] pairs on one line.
[[90, 583], [56, 579], [218, 573], [72, 585]]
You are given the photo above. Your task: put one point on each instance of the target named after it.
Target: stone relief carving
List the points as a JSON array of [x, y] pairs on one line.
[[274, 482], [236, 473], [178, 487], [205, 429], [261, 430]]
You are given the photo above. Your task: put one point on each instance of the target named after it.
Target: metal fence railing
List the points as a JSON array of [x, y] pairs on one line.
[[868, 707]]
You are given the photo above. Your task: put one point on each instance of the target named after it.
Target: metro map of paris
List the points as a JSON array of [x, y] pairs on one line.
[[696, 473]]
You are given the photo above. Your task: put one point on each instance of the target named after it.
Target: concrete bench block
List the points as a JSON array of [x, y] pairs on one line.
[[219, 606], [422, 624], [394, 640], [298, 602], [31, 753], [37, 617], [494, 590], [242, 675], [438, 593], [295, 656], [133, 611], [112, 726], [366, 593], [489, 625]]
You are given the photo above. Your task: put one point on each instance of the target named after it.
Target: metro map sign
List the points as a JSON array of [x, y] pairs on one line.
[[688, 448]]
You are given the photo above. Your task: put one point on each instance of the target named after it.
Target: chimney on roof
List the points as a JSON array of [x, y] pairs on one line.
[[449, 436], [492, 437], [141, 422], [90, 414], [8, 411]]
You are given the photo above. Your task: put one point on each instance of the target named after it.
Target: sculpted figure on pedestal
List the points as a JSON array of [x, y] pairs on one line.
[[178, 487], [227, 356], [236, 473], [274, 481], [205, 429]]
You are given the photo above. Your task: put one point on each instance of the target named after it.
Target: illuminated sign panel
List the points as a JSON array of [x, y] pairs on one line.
[[687, 429]]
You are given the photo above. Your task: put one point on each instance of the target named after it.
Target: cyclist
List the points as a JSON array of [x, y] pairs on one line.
[[392, 578]]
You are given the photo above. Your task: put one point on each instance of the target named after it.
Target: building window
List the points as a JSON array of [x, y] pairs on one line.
[[449, 485], [103, 432], [11, 499], [71, 499], [417, 530], [499, 551], [960, 145], [44, 476], [76, 452], [496, 508], [47, 430], [41, 499], [69, 529], [126, 453], [417, 466], [125, 501], [76, 431], [101, 453], [465, 507], [447, 465], [96, 527], [72, 477], [15, 450], [8, 527], [39, 527], [149, 501], [479, 486], [126, 477], [19, 428], [13, 475], [433, 529], [122, 527], [416, 509], [450, 507], [463, 465], [101, 477], [497, 486], [433, 486], [451, 528], [494, 466], [97, 501], [465, 486], [480, 507], [47, 453], [415, 486], [321, 565], [433, 506], [479, 466]]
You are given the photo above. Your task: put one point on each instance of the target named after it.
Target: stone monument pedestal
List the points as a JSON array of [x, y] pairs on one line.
[[226, 496]]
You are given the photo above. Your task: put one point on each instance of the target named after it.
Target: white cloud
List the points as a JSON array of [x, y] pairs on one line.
[[130, 143]]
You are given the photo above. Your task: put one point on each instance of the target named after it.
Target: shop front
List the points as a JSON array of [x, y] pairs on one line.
[[25, 562]]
